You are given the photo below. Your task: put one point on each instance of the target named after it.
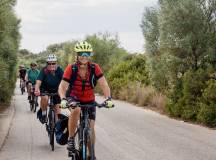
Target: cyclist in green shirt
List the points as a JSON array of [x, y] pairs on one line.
[[31, 77]]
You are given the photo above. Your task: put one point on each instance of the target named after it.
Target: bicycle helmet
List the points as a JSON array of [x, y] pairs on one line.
[[51, 58], [83, 47]]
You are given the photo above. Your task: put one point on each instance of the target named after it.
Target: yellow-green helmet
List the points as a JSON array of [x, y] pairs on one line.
[[83, 47]]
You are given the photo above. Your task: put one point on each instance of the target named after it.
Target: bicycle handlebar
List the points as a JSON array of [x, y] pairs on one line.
[[78, 104]]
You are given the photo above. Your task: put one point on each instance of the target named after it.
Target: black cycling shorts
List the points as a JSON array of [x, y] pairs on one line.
[[92, 111], [56, 98]]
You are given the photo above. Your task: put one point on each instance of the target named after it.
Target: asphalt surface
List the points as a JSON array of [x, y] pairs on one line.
[[126, 132]]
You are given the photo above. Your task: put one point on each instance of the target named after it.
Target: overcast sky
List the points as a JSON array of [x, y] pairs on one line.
[[46, 22]]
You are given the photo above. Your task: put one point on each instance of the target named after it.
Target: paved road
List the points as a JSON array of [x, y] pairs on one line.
[[123, 133]]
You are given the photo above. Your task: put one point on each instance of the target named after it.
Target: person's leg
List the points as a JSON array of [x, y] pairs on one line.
[[42, 112], [72, 123], [29, 86], [23, 83], [44, 103], [92, 126], [92, 117], [20, 81]]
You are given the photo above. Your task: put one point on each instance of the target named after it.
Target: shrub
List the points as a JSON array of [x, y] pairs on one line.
[[188, 93], [207, 113], [130, 71]]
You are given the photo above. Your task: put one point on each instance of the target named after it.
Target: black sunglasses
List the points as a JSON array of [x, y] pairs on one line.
[[51, 64]]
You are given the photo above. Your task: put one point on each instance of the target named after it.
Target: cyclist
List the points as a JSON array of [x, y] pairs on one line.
[[31, 77], [22, 74], [81, 90], [48, 80]]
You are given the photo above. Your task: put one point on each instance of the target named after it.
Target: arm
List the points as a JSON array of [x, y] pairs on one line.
[[26, 77], [63, 86], [37, 85], [104, 86], [39, 82]]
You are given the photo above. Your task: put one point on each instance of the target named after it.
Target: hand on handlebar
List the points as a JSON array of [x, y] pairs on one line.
[[37, 92], [63, 103], [108, 103]]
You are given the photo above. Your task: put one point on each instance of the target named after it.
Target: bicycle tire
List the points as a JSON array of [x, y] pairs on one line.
[[32, 103], [22, 91], [90, 144], [32, 106], [51, 126], [35, 103], [85, 144]]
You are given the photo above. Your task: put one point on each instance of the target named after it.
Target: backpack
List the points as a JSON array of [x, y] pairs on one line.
[[92, 78], [61, 130]]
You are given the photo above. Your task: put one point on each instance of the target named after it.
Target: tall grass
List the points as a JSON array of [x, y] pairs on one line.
[[142, 96]]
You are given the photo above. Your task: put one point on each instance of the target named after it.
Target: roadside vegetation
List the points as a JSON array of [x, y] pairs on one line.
[[181, 47], [9, 42]]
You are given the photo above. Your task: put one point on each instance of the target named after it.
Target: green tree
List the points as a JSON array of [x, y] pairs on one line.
[[107, 50], [180, 41], [9, 43], [150, 30]]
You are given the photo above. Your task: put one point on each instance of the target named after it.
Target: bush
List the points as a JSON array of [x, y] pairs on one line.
[[207, 113], [6, 87], [185, 103], [132, 70]]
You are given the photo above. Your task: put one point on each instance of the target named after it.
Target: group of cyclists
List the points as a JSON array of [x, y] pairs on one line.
[[76, 83]]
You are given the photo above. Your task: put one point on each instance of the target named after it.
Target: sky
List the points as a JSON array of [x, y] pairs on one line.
[[45, 22]]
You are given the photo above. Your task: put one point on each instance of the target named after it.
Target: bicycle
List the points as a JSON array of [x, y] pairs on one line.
[[33, 100], [51, 119], [83, 133]]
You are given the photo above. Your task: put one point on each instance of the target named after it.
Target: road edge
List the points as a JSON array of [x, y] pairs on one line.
[[7, 122]]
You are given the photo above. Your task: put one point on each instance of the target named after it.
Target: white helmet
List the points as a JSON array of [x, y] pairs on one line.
[[51, 58]]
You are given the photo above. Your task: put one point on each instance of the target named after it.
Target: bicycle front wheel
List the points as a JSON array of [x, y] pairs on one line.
[[51, 128], [90, 143], [32, 103], [35, 101], [84, 144]]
